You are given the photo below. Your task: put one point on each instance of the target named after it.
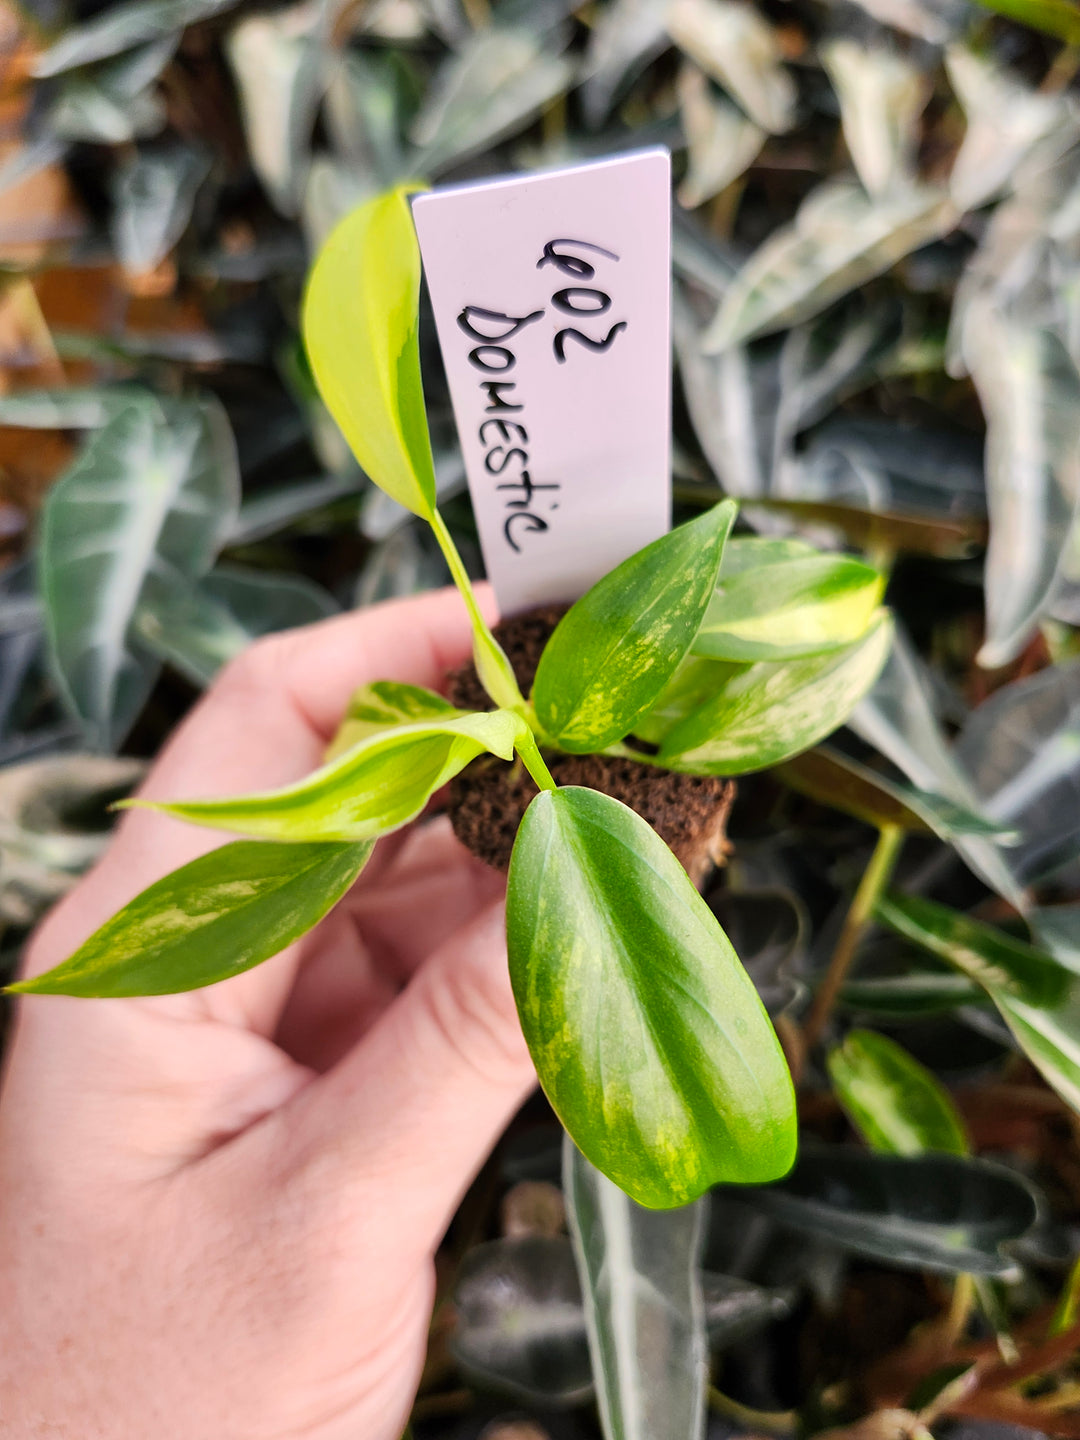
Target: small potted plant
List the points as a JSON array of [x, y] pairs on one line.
[[698, 658]]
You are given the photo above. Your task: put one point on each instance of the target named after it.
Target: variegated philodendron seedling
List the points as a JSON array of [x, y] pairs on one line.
[[725, 655]]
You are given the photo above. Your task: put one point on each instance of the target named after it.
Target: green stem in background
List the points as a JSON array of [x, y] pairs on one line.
[[533, 761], [875, 879], [1068, 1306], [495, 671]]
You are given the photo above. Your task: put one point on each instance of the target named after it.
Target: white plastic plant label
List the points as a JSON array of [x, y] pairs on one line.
[[551, 295]]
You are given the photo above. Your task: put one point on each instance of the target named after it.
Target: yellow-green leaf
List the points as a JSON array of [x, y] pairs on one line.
[[360, 328]]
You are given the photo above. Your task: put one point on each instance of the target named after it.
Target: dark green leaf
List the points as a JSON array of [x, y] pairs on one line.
[[771, 710], [379, 785], [221, 914], [914, 993], [944, 1213], [1038, 999], [615, 650], [895, 1103], [647, 1034]]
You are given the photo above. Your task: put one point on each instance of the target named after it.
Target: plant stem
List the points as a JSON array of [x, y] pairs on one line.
[[874, 880], [534, 762], [495, 671]]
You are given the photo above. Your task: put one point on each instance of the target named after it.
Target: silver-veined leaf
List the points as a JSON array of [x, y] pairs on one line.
[[721, 141], [641, 1282], [209, 920], [882, 94], [648, 1036], [733, 43], [153, 194], [614, 651], [138, 517], [379, 785]]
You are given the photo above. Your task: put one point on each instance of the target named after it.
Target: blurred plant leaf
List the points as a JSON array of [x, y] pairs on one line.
[[1029, 388], [116, 101], [721, 141], [521, 1326], [790, 608], [767, 711], [153, 197], [934, 21], [735, 45], [944, 1213], [832, 778], [360, 329], [268, 513], [501, 79], [1038, 999], [942, 538], [54, 812], [200, 629], [281, 69], [767, 928], [882, 94], [840, 239], [1021, 748], [1057, 929], [364, 115], [78, 407], [898, 719], [895, 1103], [615, 650], [1005, 122], [123, 27], [140, 514], [383, 705], [639, 1017], [626, 35], [207, 921], [379, 785], [640, 1277], [911, 995]]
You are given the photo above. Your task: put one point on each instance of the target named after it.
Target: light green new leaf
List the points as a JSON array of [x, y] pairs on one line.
[[644, 1314], [360, 327], [768, 711], [377, 786], [792, 608], [1038, 999], [382, 706], [648, 1036], [895, 1103], [212, 918], [840, 239], [616, 649], [138, 518]]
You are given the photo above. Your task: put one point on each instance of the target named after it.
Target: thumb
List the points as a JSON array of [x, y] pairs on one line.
[[409, 1116]]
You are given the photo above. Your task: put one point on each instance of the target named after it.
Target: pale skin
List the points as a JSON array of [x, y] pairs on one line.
[[219, 1210]]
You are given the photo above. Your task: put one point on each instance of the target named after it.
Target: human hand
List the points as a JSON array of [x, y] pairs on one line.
[[218, 1210]]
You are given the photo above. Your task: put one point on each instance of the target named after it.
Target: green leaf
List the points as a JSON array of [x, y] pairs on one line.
[[153, 195], [377, 786], [360, 319], [1038, 999], [721, 143], [881, 94], [138, 518], [895, 1103], [1060, 18], [791, 608], [694, 682], [614, 651], [916, 992], [736, 46], [122, 27], [221, 914], [832, 778], [76, 407], [382, 706], [944, 1213], [647, 1034], [641, 1280], [767, 712]]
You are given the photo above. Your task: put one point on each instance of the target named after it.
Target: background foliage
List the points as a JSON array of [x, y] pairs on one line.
[[877, 326]]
